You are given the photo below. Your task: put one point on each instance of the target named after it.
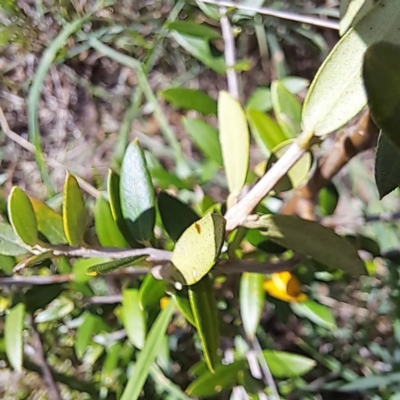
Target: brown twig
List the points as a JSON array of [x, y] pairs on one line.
[[350, 142], [53, 392]]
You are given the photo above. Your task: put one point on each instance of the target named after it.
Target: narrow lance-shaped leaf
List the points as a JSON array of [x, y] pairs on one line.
[[205, 137], [147, 356], [137, 194], [22, 217], [337, 93], [113, 188], [316, 241], [74, 212], [151, 291], [194, 29], [198, 248], [287, 109], [235, 141], [252, 297], [133, 317], [106, 228], [13, 331], [204, 309], [382, 82], [190, 99], [109, 266]]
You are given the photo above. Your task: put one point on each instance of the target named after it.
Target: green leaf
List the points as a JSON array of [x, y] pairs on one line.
[[114, 189], [287, 109], [200, 49], [83, 265], [137, 194], [235, 141], [287, 365], [204, 309], [13, 335], [315, 312], [371, 382], [382, 82], [22, 217], [147, 356], [193, 29], [107, 229], [50, 223], [351, 11], [182, 302], [252, 297], [190, 99], [109, 266], [209, 10], [90, 325], [7, 263], [198, 248], [266, 132], [328, 198], [56, 310], [10, 244], [387, 166], [74, 212], [296, 174], [205, 137], [260, 100], [151, 291], [133, 317], [337, 92], [316, 241], [225, 377], [294, 84], [170, 207]]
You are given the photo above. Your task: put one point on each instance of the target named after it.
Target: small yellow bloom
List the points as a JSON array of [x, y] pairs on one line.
[[284, 286], [164, 302]]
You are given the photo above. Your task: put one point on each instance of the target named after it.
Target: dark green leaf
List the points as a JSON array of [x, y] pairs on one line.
[[328, 198], [182, 302], [225, 377], [252, 297], [287, 365], [193, 29], [13, 335], [133, 317], [151, 291], [39, 296], [137, 194], [10, 244], [387, 166], [109, 266], [190, 99], [205, 137], [204, 309], [74, 212], [106, 228], [382, 82], [170, 207], [147, 356], [316, 241], [22, 217]]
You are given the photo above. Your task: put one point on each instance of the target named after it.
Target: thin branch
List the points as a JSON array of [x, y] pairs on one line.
[[53, 392], [88, 188], [229, 53], [222, 267], [237, 215], [291, 16]]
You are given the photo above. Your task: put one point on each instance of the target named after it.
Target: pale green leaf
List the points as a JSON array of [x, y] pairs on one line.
[[315, 312], [10, 244], [13, 335], [133, 317]]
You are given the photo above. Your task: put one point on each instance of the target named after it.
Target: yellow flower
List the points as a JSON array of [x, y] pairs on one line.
[[284, 286], [164, 302]]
